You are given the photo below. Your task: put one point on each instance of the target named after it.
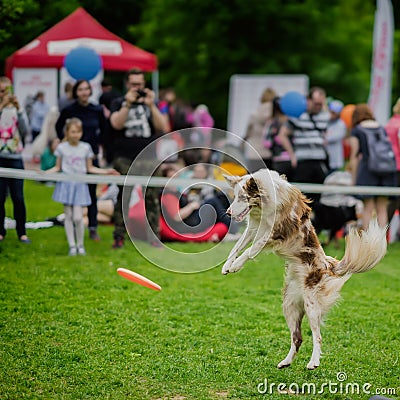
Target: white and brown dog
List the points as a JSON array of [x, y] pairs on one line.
[[278, 219]]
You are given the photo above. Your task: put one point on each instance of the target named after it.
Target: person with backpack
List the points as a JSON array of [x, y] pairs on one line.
[[372, 162], [13, 129]]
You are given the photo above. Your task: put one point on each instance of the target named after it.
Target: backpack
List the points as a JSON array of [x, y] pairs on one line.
[[10, 139], [381, 159]]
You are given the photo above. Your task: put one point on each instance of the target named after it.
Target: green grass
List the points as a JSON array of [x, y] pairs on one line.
[[72, 328]]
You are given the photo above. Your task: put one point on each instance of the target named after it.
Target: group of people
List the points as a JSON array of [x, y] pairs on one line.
[[306, 149], [195, 214], [309, 148], [127, 123]]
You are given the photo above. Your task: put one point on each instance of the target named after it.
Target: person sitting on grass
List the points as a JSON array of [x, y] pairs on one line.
[[189, 218], [74, 157], [48, 158]]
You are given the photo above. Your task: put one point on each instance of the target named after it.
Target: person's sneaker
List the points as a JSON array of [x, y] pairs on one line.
[[118, 243], [93, 235], [25, 239], [72, 251], [81, 251]]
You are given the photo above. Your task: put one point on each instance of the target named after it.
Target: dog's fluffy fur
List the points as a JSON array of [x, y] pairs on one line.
[[278, 219]]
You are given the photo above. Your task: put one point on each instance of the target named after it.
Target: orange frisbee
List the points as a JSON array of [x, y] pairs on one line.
[[137, 278]]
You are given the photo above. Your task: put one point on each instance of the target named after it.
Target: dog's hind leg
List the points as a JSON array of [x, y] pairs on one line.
[[293, 309], [314, 315]]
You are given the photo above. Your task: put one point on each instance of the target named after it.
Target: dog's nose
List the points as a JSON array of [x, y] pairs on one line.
[[229, 212]]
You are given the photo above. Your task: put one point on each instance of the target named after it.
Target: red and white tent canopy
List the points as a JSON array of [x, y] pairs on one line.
[[80, 29]]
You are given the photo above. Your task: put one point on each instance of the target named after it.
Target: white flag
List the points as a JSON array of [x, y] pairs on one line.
[[382, 62]]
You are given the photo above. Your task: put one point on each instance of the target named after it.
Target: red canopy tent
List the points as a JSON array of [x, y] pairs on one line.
[[80, 29]]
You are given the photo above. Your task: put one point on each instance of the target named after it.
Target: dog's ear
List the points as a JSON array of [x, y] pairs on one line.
[[252, 187], [232, 180]]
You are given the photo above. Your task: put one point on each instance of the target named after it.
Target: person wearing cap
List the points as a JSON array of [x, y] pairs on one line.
[[334, 136]]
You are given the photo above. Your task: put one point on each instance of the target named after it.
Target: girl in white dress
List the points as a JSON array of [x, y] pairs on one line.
[[74, 157]]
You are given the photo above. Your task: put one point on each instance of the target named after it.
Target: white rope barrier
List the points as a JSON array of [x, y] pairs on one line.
[[131, 180]]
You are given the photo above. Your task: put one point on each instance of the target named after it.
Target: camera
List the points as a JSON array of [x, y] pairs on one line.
[[141, 93]]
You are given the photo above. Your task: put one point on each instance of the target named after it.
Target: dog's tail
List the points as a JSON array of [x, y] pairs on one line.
[[364, 249]]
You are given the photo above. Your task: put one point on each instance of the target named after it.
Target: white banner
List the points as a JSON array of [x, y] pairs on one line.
[[28, 81], [245, 93], [382, 62], [101, 46]]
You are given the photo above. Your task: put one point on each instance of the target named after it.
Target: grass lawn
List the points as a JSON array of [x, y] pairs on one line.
[[72, 328]]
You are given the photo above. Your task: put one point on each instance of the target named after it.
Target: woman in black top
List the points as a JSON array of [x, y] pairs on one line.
[[94, 126]]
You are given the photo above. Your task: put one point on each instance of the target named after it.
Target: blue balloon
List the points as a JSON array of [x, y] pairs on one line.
[[293, 104], [83, 63]]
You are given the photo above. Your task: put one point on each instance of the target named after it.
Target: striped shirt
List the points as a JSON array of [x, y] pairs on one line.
[[308, 136]]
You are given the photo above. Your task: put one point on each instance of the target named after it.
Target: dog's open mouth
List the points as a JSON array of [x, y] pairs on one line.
[[240, 217]]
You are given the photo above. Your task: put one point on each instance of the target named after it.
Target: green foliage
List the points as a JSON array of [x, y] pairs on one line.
[[11, 14], [202, 43], [72, 328], [116, 19], [27, 19]]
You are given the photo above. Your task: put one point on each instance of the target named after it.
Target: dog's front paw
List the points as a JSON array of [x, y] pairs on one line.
[[236, 266], [226, 267], [232, 266]]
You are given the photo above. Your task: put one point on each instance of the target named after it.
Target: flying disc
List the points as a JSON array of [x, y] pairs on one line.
[[137, 278]]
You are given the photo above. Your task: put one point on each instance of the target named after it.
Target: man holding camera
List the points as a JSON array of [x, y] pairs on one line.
[[136, 121]]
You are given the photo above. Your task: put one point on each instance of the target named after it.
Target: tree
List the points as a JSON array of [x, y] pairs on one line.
[[201, 44], [26, 19]]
